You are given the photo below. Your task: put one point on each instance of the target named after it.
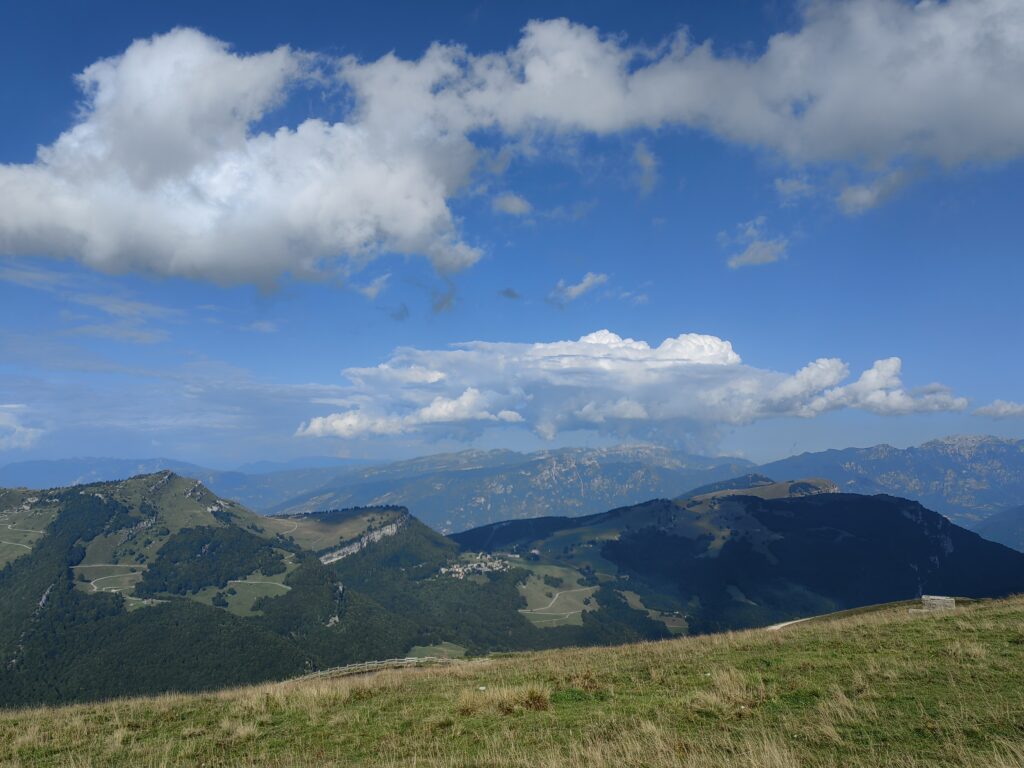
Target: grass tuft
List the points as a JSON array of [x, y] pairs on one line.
[[504, 700]]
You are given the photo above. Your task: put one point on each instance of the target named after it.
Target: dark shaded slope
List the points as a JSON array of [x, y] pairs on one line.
[[817, 554], [730, 561]]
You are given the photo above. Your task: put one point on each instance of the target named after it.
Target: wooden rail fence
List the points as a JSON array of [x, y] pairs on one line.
[[374, 666]]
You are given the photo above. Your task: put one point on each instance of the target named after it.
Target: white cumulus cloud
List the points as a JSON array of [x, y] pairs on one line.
[[164, 172], [178, 164], [602, 381], [470, 406]]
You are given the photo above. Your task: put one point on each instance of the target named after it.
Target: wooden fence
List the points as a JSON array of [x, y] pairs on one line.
[[374, 666]]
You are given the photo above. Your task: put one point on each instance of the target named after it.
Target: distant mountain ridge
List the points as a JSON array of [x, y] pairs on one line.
[[965, 478], [453, 492]]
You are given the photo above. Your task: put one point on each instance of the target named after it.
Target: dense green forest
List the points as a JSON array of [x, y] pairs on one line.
[[200, 557]]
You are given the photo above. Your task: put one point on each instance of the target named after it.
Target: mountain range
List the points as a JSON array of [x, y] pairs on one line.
[[964, 478], [155, 583], [447, 491], [453, 492]]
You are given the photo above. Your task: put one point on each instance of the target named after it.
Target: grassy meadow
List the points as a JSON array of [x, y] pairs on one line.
[[884, 688]]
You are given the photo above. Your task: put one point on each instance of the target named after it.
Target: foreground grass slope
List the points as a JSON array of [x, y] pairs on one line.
[[883, 688]]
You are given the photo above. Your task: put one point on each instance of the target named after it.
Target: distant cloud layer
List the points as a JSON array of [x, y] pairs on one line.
[[175, 164], [1002, 409], [13, 433], [606, 383]]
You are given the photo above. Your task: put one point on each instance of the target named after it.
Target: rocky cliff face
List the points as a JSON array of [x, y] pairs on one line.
[[371, 537]]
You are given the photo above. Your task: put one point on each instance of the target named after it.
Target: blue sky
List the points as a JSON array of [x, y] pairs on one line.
[[213, 245]]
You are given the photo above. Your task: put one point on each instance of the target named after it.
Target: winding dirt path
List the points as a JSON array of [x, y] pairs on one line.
[[781, 625], [554, 617], [113, 576], [10, 527], [243, 581], [111, 565], [553, 599]]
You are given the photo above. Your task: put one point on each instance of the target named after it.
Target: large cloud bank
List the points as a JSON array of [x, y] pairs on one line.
[[178, 163], [605, 383]]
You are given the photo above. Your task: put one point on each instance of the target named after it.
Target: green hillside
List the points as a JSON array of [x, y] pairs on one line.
[[155, 584], [878, 689], [741, 556]]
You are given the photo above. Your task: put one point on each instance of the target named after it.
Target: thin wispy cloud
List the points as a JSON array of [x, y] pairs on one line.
[[126, 309], [573, 212], [375, 287], [1002, 409], [130, 320], [856, 199], [262, 326], [647, 168], [564, 293], [14, 433], [793, 189], [511, 204], [757, 246], [635, 298], [122, 331]]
